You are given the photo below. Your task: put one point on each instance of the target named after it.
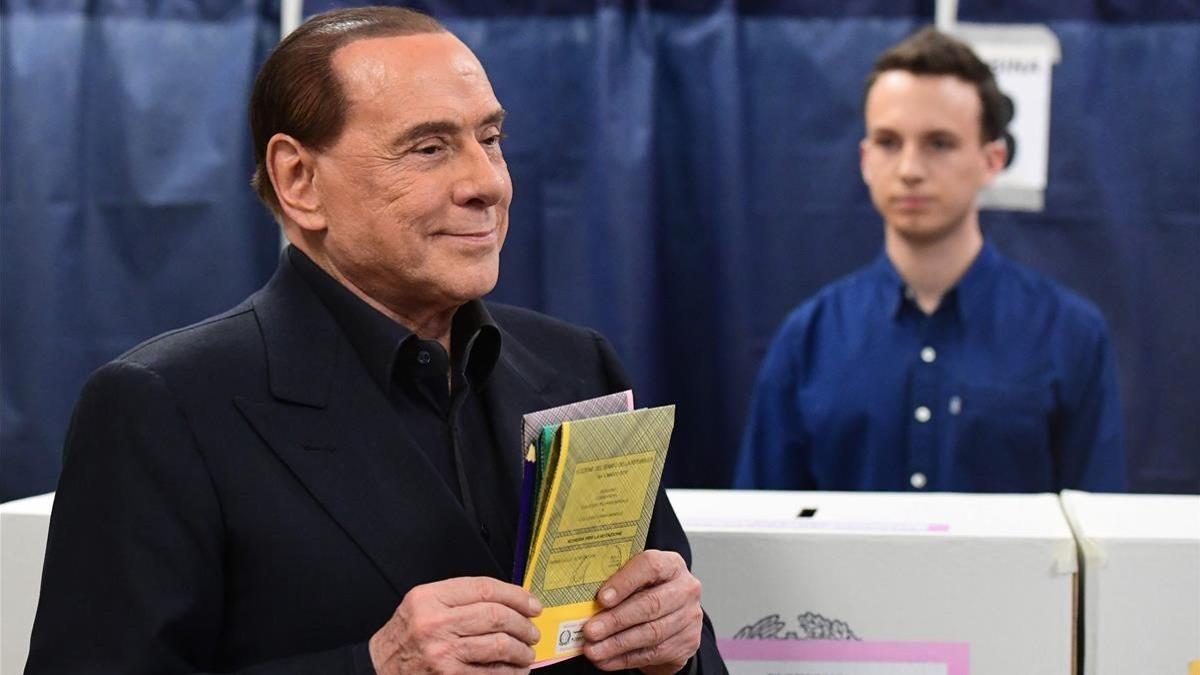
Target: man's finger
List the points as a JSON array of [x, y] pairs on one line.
[[644, 606], [493, 648], [462, 591], [648, 604], [678, 649], [483, 618], [494, 669], [644, 569], [645, 635]]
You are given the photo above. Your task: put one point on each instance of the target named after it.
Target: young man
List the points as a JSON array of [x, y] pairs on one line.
[[942, 365]]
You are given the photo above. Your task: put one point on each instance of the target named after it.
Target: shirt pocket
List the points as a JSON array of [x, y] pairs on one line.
[[1001, 426]]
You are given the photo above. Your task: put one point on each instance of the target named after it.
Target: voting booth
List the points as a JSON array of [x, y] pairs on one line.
[[1140, 567], [24, 524], [820, 583], [875, 583]]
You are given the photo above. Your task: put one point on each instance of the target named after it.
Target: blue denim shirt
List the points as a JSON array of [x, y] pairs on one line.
[[1009, 386]]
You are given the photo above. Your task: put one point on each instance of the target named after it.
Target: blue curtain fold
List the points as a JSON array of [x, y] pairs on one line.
[[124, 206], [685, 173]]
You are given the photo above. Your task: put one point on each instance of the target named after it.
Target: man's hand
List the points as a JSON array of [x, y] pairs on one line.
[[652, 617], [459, 626]]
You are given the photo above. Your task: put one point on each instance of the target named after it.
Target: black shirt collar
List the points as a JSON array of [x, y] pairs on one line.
[[380, 341]]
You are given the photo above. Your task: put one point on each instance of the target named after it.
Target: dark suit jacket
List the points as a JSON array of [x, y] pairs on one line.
[[239, 495]]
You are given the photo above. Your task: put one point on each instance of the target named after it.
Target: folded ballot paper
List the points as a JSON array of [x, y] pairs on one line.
[[591, 476]]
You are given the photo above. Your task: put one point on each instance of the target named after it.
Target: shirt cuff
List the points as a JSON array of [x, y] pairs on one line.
[[362, 659]]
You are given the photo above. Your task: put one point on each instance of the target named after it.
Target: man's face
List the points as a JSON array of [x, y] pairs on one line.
[[414, 194], [923, 158]]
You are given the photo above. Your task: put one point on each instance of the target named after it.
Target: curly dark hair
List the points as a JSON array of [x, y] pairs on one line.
[[931, 52]]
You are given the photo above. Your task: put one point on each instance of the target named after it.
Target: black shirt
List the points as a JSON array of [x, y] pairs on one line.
[[437, 398]]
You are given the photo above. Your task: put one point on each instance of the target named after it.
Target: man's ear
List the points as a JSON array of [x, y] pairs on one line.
[[862, 161], [994, 155], [292, 169]]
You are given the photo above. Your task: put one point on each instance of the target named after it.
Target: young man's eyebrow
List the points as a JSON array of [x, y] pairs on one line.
[[940, 133]]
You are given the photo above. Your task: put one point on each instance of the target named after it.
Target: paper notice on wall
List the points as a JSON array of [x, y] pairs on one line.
[[1022, 56]]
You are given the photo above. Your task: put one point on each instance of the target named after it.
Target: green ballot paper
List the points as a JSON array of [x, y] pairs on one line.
[[599, 487]]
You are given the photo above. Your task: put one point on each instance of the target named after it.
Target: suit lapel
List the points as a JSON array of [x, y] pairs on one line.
[[332, 427]]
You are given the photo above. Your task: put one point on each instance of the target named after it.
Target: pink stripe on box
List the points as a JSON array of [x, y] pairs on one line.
[[725, 522], [956, 656]]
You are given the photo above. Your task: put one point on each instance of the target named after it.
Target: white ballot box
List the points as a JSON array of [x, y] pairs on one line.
[[822, 583], [24, 524], [1140, 567]]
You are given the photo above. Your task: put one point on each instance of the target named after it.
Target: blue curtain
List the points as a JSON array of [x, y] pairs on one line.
[[123, 195], [685, 173]]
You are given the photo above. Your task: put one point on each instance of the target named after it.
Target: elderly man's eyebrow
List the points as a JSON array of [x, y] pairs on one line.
[[496, 118], [419, 131], [441, 128]]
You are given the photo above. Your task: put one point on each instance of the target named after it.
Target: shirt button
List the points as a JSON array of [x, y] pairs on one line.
[[928, 354], [483, 531], [922, 414], [955, 405], [917, 480], [909, 293], [423, 357]]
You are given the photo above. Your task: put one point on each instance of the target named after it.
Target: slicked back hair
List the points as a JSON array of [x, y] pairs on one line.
[[931, 52], [297, 91]]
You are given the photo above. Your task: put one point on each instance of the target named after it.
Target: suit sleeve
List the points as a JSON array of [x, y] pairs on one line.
[[133, 580], [666, 534]]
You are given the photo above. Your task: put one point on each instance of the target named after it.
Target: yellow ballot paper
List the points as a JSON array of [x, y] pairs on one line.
[[602, 485]]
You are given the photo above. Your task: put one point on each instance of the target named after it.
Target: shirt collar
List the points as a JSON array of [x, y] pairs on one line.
[[972, 288], [965, 296], [890, 287], [475, 342], [474, 335]]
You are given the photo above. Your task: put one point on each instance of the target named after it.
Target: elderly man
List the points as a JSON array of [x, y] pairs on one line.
[[942, 365], [324, 478]]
